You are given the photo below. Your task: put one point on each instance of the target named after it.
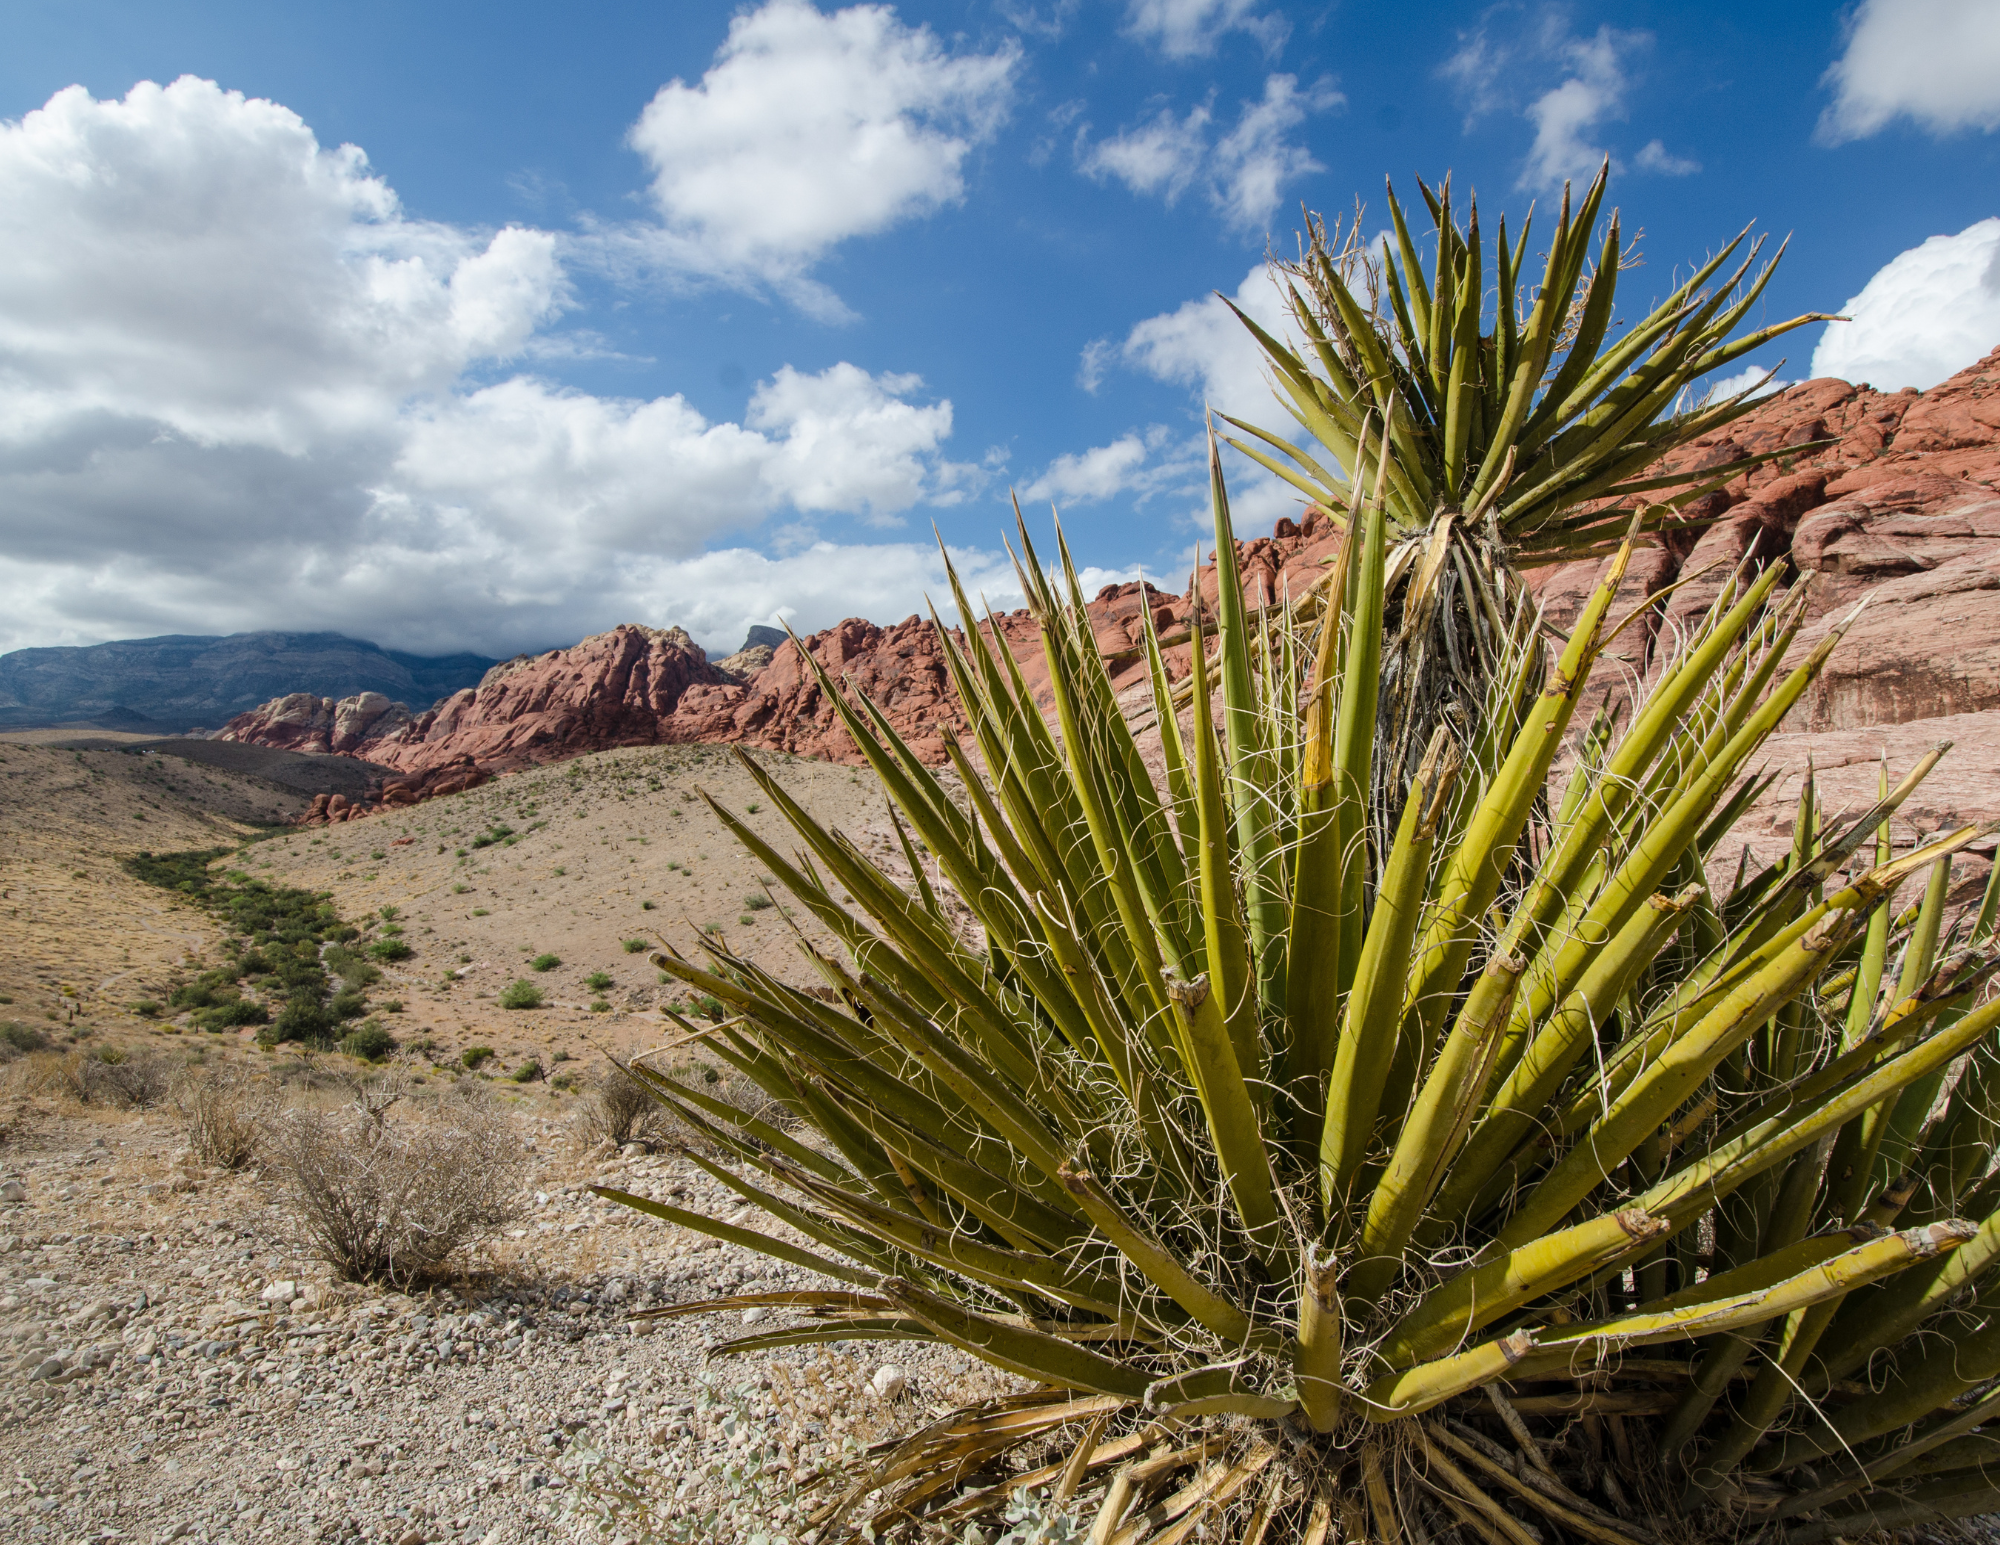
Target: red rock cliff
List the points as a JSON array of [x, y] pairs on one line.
[[1902, 504]]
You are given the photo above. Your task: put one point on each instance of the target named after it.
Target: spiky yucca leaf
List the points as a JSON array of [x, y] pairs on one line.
[[1535, 1128], [1521, 413], [1533, 420]]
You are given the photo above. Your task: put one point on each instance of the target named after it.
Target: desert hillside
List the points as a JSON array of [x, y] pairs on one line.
[[570, 861], [80, 939]]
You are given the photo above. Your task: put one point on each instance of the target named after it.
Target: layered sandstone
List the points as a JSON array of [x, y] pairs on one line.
[[1902, 507], [1888, 495]]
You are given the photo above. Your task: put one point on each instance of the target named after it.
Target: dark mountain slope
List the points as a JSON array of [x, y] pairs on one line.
[[181, 681]]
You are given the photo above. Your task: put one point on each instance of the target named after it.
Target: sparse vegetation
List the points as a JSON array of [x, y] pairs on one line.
[[390, 949], [757, 901], [528, 1072], [473, 1056], [545, 962], [598, 981], [637, 946], [276, 934]]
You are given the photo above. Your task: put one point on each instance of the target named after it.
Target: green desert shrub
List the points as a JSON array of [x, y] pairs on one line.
[[597, 981], [390, 949], [545, 962], [302, 1019], [348, 1003], [635, 946], [370, 1041], [231, 1014], [521, 994]]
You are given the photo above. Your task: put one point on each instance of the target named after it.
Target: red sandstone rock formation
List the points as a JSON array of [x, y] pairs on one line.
[[616, 689], [1903, 506], [397, 793]]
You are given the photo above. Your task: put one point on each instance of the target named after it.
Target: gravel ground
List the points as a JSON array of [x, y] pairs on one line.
[[173, 1366]]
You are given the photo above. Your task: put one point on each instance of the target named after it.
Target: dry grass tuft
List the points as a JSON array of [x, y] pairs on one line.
[[223, 1114], [126, 1080], [392, 1201]]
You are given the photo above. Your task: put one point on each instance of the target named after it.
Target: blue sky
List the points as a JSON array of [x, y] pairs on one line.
[[704, 314]]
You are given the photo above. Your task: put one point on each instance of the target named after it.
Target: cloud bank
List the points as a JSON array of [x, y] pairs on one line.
[[241, 387], [1934, 62], [1927, 314], [808, 130]]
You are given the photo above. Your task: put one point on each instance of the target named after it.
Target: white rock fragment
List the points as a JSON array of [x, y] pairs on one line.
[[280, 1293], [13, 1191], [889, 1382]]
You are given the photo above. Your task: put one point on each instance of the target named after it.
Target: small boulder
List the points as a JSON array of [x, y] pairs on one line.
[[13, 1191], [889, 1382], [280, 1293]]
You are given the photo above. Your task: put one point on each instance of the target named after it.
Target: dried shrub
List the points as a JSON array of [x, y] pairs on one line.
[[17, 1039], [222, 1112], [126, 1080], [618, 1110], [391, 1201]]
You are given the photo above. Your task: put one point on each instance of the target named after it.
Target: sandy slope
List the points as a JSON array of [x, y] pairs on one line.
[[79, 938], [592, 841]]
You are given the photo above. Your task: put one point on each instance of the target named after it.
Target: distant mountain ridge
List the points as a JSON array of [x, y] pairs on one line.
[[182, 681]]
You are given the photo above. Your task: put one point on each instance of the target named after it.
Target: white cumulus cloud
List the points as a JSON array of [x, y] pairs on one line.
[[1140, 463], [1567, 116], [1513, 45], [1184, 29], [1928, 313], [1201, 345], [241, 387], [1936, 62], [1244, 172], [808, 130], [1655, 157]]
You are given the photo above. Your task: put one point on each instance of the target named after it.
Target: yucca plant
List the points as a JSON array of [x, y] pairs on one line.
[[1484, 1170], [1522, 419]]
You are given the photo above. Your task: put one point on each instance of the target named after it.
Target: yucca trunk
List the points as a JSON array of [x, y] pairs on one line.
[[1350, 1155]]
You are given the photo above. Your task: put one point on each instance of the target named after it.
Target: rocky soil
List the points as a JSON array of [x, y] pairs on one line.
[[173, 1365]]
